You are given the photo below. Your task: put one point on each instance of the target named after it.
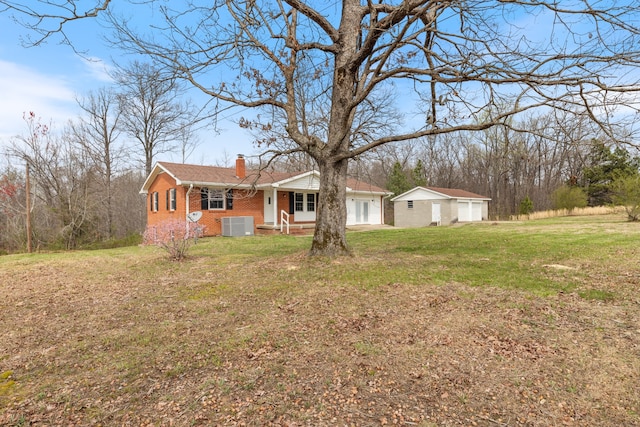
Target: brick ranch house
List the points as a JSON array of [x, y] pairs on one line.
[[174, 190]]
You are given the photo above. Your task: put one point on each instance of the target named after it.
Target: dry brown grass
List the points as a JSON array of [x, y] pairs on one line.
[[588, 211], [123, 338]]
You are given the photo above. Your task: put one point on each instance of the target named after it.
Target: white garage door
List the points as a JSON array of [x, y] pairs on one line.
[[469, 211], [476, 211], [464, 211]]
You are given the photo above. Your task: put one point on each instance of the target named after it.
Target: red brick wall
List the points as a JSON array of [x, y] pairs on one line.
[[244, 204], [161, 184]]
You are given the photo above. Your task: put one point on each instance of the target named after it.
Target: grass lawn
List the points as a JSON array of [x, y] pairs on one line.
[[510, 324]]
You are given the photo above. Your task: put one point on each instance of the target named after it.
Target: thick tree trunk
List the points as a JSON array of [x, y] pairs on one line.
[[331, 218], [329, 238]]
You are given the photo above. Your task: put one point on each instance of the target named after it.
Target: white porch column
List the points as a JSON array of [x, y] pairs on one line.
[[276, 216]]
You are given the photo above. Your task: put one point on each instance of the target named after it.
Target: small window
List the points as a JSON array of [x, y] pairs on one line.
[[409, 204], [154, 201], [311, 202], [299, 202], [172, 199]]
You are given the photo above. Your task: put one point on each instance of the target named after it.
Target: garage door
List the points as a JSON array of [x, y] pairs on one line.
[[476, 211], [464, 211], [469, 211]]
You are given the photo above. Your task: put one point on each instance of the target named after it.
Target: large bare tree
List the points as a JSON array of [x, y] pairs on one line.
[[452, 62]]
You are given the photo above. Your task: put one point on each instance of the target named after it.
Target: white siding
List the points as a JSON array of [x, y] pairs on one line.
[[374, 209], [421, 194], [310, 182]]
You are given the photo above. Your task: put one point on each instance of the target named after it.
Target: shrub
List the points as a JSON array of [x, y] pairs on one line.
[[626, 192], [569, 198], [174, 236], [526, 206]]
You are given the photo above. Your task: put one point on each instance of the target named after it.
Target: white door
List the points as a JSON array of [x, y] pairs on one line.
[[435, 213], [362, 212], [268, 207]]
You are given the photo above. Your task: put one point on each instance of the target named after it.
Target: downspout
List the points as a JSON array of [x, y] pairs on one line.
[[187, 203], [382, 206]]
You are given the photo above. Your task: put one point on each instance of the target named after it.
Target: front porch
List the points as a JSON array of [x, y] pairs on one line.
[[295, 228]]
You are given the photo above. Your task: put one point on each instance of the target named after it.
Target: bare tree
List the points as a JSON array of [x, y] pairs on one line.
[[97, 131], [12, 208], [151, 111], [455, 60], [61, 183]]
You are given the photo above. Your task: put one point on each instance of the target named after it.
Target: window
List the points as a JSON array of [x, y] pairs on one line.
[[299, 202], [171, 199], [216, 199], [409, 204], [154, 201], [311, 202]]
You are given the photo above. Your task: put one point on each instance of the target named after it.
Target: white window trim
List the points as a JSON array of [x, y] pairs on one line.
[[305, 202], [211, 199]]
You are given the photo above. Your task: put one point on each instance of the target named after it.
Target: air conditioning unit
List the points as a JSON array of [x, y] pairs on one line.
[[236, 226]]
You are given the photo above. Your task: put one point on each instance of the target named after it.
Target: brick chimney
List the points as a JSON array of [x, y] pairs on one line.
[[241, 171]]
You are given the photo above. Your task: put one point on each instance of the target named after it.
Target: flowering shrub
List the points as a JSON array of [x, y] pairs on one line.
[[174, 236]]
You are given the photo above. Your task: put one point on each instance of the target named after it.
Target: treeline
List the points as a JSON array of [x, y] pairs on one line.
[[85, 179], [522, 167]]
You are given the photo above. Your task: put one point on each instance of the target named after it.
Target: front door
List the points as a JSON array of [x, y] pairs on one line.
[[268, 207]]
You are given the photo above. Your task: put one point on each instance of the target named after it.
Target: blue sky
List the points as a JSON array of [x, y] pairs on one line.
[[47, 79]]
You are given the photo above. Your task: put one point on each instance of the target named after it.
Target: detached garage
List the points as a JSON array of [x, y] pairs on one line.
[[423, 206]]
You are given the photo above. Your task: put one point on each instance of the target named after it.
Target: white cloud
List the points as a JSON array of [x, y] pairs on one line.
[[27, 89], [98, 69]]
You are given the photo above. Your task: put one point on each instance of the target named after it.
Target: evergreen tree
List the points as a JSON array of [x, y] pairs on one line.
[[526, 206], [417, 175], [397, 182], [606, 166]]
